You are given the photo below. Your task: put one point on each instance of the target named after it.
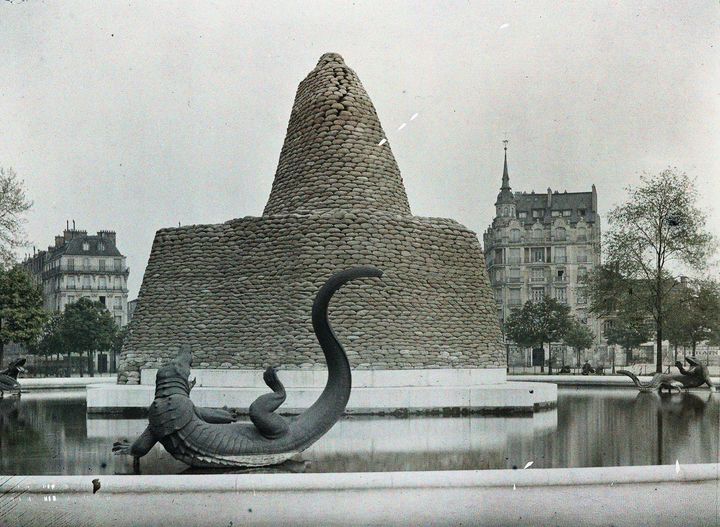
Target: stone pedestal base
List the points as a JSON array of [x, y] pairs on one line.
[[374, 392]]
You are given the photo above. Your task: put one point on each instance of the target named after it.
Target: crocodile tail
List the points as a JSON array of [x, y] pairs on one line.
[[637, 382], [268, 423], [329, 407], [652, 385]]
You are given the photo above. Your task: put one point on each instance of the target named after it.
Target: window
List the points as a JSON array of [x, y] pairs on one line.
[[538, 274], [71, 264], [538, 254], [582, 273], [101, 264], [555, 213], [71, 282], [505, 211], [561, 295], [85, 246], [515, 235], [537, 234], [514, 299], [560, 275], [538, 294], [538, 213], [581, 212], [117, 303], [118, 320], [498, 296], [101, 246], [514, 274], [582, 255], [86, 282], [560, 255], [522, 214], [71, 299], [101, 300], [567, 213], [118, 264], [103, 283], [560, 234], [581, 296], [86, 263], [514, 256], [581, 234], [499, 275]]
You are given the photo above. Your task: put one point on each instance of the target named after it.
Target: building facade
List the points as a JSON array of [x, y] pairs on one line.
[[80, 265], [543, 244]]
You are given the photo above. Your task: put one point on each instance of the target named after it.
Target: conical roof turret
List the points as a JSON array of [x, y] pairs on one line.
[[505, 195], [335, 154]]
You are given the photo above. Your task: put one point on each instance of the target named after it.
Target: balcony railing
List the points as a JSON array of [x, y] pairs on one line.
[[514, 279], [81, 269], [538, 279]]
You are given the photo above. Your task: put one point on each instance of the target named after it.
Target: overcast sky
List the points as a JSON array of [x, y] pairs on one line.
[[134, 116]]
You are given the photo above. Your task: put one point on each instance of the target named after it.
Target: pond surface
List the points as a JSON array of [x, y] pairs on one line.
[[51, 434]]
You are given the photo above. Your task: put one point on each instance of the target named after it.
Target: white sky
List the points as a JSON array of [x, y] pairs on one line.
[[134, 116]]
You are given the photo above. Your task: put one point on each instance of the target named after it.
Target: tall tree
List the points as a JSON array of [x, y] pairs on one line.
[[21, 308], [87, 327], [13, 205], [579, 337], [538, 323], [658, 226]]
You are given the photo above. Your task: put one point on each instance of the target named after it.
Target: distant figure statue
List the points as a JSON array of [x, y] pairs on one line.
[[693, 377], [565, 369], [8, 377], [587, 368], [206, 438]]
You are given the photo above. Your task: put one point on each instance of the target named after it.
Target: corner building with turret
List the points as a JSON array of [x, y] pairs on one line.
[[543, 244]]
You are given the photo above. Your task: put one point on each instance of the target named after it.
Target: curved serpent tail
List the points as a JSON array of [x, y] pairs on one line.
[[269, 424], [654, 383]]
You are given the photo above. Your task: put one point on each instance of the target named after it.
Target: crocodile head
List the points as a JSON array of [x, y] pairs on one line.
[[174, 377]]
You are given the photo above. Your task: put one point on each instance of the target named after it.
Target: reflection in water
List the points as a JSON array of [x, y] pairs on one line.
[[50, 434]]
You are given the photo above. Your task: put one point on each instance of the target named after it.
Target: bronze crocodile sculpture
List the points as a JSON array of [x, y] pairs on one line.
[[695, 376], [8, 377], [208, 438]]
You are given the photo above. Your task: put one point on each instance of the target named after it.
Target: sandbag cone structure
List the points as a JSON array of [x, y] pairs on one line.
[[240, 292]]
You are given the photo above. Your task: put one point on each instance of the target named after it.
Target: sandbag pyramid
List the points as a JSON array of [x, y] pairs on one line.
[[240, 292]]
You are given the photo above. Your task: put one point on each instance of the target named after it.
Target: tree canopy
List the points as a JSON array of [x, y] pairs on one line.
[[13, 205], [21, 308], [578, 336], [87, 327], [697, 316], [657, 227], [537, 323]]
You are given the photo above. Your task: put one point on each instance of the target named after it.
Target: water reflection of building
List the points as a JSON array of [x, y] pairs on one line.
[[541, 245]]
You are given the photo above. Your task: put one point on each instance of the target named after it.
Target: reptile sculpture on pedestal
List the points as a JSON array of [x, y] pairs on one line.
[[208, 438], [696, 375], [8, 377]]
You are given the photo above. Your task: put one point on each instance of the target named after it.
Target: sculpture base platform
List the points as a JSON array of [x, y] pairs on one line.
[[374, 392]]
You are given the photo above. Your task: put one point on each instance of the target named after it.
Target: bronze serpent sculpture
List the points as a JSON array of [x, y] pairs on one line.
[[696, 375], [208, 438], [8, 377]]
